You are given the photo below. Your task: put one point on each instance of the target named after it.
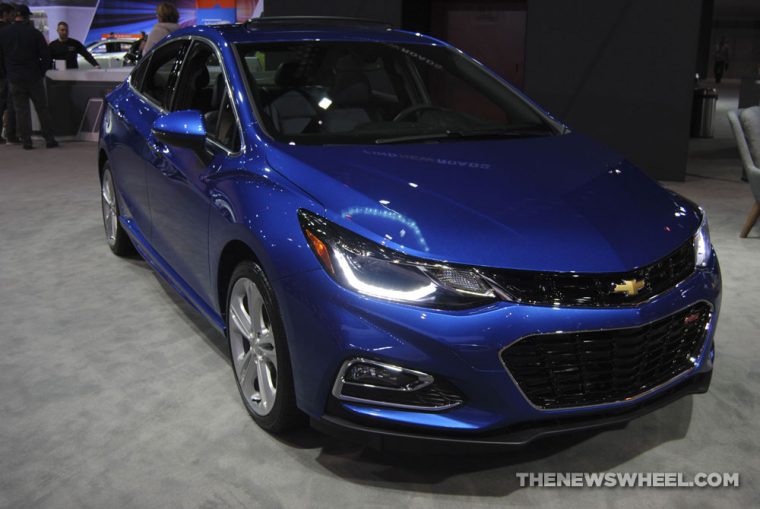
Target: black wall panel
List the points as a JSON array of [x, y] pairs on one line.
[[621, 71]]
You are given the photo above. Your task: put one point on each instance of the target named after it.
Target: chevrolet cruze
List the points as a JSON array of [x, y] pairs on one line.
[[397, 243]]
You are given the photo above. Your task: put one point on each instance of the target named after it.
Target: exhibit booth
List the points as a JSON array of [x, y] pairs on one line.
[[108, 28]]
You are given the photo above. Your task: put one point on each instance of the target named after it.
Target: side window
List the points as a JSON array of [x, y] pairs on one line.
[[226, 129], [201, 86], [198, 81], [161, 74], [136, 78]]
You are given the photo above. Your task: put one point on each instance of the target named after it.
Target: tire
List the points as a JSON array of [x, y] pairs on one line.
[[259, 351], [117, 238]]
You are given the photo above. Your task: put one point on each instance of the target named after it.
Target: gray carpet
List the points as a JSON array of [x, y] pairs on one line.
[[115, 393]]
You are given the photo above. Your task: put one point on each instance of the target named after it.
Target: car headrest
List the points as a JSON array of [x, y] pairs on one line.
[[202, 77], [350, 84], [289, 75], [347, 63]]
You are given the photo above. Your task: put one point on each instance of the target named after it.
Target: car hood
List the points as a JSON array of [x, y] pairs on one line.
[[560, 203]]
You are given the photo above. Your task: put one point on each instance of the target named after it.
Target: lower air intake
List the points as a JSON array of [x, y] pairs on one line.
[[590, 368]]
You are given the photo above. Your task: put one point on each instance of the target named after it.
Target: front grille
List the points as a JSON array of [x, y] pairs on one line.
[[595, 290], [589, 368]]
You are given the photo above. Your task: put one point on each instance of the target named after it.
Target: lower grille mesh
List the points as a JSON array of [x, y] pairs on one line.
[[589, 368]]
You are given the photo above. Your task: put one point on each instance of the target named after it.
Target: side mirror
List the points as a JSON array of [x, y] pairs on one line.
[[185, 129]]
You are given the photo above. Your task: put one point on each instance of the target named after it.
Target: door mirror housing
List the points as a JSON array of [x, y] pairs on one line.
[[186, 129]]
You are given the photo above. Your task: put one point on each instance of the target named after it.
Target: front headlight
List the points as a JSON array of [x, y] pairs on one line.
[[702, 245], [371, 269]]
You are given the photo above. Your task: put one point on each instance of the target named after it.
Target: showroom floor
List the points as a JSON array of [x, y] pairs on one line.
[[115, 393]]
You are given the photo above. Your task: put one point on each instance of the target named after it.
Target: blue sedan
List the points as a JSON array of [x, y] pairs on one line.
[[399, 245]]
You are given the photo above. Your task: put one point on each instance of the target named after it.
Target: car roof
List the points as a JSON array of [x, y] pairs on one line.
[[105, 41], [277, 29]]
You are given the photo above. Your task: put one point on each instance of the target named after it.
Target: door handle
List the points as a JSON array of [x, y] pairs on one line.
[[171, 171], [167, 169], [158, 148], [158, 152]]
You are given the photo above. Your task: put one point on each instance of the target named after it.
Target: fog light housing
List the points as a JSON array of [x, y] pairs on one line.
[[377, 383], [384, 376]]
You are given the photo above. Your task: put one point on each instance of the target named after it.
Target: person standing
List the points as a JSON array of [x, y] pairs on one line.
[[6, 17], [168, 16], [66, 48], [25, 56], [722, 53], [135, 50], [139, 45]]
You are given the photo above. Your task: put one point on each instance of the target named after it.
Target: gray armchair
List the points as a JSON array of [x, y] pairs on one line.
[[746, 126]]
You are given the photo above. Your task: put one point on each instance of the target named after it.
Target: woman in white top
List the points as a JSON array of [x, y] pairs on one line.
[[168, 16]]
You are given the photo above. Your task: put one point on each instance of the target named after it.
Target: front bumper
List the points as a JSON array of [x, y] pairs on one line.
[[327, 325], [390, 439]]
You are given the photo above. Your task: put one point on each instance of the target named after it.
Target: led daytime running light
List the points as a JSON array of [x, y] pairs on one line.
[[702, 244], [378, 291], [368, 268]]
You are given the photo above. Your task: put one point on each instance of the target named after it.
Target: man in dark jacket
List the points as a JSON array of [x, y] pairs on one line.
[[66, 48], [6, 18], [25, 56]]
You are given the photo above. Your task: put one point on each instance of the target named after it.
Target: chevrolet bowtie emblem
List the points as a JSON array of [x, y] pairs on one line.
[[629, 287]]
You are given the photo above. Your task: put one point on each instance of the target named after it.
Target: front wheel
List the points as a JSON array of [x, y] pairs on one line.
[[116, 237], [259, 350]]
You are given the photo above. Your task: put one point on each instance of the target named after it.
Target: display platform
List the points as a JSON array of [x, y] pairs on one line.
[[70, 91]]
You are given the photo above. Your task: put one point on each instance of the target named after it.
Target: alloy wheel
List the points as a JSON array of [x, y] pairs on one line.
[[110, 214], [252, 345]]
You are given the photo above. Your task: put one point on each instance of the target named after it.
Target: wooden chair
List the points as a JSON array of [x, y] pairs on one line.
[[746, 126]]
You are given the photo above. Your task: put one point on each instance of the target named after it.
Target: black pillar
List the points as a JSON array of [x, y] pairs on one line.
[[621, 71]]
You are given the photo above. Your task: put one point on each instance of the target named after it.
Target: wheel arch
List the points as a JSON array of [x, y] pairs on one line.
[[234, 252], [102, 158]]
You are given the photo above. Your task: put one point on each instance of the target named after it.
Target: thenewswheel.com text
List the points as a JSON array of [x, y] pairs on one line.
[[628, 480]]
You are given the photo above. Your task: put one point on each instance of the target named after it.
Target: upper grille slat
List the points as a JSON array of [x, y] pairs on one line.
[[566, 370], [595, 290]]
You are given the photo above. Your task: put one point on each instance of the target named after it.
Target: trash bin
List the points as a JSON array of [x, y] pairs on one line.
[[702, 112]]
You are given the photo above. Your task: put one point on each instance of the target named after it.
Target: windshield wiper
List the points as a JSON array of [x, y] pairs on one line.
[[415, 137], [475, 133]]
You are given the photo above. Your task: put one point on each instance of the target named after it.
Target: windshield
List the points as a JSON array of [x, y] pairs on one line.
[[312, 92]]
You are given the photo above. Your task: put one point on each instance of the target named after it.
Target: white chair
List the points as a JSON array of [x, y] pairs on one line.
[[746, 126]]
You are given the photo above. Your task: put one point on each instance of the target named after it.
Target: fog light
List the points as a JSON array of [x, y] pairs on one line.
[[377, 383], [385, 376]]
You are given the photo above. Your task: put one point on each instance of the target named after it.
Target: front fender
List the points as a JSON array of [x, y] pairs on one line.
[[259, 210]]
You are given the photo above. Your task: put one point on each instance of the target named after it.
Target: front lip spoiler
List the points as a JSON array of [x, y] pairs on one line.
[[415, 441]]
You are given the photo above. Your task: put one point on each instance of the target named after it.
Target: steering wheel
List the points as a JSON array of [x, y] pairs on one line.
[[415, 109]]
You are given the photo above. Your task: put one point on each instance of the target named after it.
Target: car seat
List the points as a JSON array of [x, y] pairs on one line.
[[351, 95], [292, 111]]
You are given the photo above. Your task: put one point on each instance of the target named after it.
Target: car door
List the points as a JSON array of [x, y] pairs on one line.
[[131, 116], [100, 53], [179, 178]]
